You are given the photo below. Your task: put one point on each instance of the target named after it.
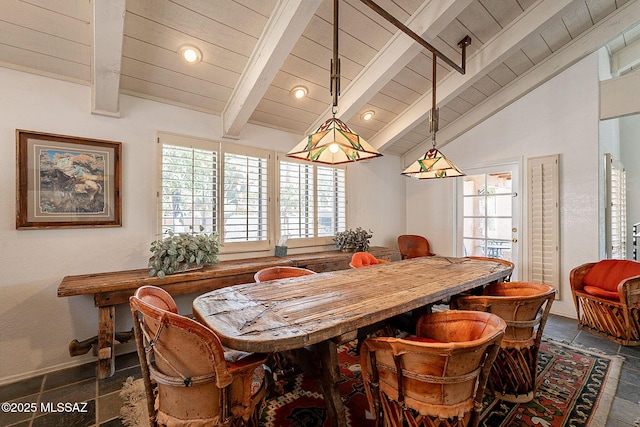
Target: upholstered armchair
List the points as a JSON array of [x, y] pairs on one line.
[[607, 299]]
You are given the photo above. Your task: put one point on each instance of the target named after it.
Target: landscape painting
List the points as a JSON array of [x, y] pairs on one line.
[[67, 181]]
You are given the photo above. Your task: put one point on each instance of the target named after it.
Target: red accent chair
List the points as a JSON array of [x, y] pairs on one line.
[[607, 299], [365, 259], [412, 246]]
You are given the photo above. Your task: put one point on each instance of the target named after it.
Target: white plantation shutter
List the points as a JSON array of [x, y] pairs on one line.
[[245, 200], [615, 209], [312, 200], [297, 196], [544, 220], [188, 185], [332, 201]]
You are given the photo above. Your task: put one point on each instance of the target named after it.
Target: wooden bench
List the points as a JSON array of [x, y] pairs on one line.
[[110, 289]]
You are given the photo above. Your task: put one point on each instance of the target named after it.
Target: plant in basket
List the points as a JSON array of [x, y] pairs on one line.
[[352, 240], [178, 252]]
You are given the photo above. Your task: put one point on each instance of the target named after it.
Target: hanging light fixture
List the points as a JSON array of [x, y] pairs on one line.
[[334, 142], [433, 164]]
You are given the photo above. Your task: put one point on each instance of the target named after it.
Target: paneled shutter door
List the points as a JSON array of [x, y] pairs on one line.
[[544, 220]]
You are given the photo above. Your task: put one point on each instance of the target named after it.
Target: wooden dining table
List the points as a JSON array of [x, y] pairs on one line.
[[310, 316]]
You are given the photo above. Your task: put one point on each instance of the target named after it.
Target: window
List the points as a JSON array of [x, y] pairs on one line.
[[312, 200], [297, 197], [245, 198], [615, 209], [188, 189], [332, 201], [487, 216], [231, 189]]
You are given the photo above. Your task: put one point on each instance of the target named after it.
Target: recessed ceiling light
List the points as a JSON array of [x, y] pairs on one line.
[[299, 92], [191, 54], [368, 115]]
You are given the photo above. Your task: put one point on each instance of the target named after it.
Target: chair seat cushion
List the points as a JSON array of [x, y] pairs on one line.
[[597, 291], [608, 273]]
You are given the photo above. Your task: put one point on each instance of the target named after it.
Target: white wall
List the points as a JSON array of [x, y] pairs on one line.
[[35, 325], [630, 157], [559, 117]]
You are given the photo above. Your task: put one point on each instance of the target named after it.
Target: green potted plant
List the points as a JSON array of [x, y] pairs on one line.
[[353, 240], [178, 252]]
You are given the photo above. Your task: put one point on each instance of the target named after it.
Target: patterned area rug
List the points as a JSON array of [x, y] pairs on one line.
[[576, 388]]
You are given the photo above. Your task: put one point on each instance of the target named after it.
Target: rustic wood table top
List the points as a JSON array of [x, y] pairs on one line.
[[292, 313]]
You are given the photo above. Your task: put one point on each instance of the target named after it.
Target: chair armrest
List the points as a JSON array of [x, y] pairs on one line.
[[629, 290], [577, 275], [248, 363]]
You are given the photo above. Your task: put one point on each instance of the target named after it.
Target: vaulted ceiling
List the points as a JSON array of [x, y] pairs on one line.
[[255, 51]]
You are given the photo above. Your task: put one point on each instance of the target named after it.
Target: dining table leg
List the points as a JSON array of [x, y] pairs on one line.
[[321, 363], [327, 352]]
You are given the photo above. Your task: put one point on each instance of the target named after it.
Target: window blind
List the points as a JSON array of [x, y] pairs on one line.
[[189, 189], [297, 197], [332, 202], [245, 198]]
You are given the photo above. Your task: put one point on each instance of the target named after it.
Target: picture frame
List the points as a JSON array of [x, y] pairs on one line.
[[67, 181]]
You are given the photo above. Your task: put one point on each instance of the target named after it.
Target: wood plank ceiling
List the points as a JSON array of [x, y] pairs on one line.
[[255, 51]]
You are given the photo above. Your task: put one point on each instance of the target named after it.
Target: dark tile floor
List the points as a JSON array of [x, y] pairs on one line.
[[103, 402]]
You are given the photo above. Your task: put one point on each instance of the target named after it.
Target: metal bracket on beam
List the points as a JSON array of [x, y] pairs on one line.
[[462, 44]]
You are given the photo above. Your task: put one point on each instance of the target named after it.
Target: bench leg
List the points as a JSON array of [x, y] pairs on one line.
[[106, 337]]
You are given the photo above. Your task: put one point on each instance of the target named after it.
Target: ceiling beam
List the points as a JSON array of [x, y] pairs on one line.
[[626, 58], [480, 63], [108, 33], [624, 18], [285, 25], [428, 21]]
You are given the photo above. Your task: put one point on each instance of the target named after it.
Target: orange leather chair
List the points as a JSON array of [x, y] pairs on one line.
[[413, 246], [607, 299], [525, 307], [188, 377], [365, 259], [437, 378], [274, 273]]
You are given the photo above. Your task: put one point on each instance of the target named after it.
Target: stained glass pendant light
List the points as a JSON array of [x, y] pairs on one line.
[[334, 142], [433, 164]]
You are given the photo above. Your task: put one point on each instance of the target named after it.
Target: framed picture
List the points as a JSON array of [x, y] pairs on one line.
[[67, 181]]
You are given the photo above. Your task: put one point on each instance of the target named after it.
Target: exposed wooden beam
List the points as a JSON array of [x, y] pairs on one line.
[[286, 24], [429, 20], [483, 60], [108, 33], [588, 42]]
